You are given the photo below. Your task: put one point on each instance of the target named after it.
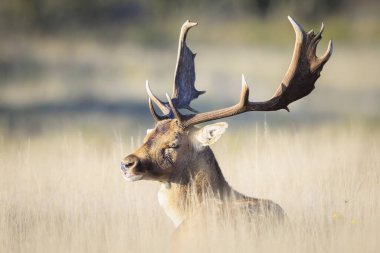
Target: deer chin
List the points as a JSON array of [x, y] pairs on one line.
[[130, 177]]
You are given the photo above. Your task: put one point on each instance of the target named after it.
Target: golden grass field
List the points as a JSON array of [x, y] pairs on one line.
[[63, 192]]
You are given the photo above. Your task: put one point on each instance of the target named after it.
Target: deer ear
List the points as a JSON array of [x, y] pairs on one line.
[[209, 134]]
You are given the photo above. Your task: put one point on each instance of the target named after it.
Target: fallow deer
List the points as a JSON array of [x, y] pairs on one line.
[[176, 153]]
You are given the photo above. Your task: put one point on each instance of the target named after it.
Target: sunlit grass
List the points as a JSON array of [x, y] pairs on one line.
[[63, 192]]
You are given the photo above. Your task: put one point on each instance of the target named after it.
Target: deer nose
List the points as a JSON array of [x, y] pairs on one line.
[[129, 162]]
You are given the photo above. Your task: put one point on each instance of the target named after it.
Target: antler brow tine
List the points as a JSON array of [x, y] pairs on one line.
[[158, 102], [153, 112]]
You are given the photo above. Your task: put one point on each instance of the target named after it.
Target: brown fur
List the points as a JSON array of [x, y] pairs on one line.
[[190, 175]]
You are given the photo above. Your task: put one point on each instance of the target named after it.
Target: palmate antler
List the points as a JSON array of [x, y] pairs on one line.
[[298, 81], [184, 90]]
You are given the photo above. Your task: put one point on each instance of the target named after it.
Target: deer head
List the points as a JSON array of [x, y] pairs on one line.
[[170, 151], [175, 147]]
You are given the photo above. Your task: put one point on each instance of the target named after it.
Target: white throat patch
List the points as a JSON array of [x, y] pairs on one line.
[[168, 207]]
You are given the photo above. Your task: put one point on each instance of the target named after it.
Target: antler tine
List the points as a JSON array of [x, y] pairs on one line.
[[176, 113], [299, 80], [300, 33], [184, 90], [312, 53], [181, 47], [242, 106], [154, 113], [182, 37], [158, 102], [244, 91], [326, 56]]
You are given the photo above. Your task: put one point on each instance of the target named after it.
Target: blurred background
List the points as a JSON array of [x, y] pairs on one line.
[[83, 64], [73, 104]]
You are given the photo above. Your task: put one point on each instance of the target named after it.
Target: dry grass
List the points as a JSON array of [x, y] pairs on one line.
[[64, 193]]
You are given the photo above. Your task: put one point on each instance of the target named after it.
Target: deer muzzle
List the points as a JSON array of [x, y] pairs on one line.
[[131, 168]]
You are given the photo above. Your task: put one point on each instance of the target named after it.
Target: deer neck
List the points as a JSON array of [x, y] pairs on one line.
[[201, 177], [202, 174]]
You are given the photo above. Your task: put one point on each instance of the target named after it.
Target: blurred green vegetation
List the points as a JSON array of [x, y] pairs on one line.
[[143, 21], [55, 14]]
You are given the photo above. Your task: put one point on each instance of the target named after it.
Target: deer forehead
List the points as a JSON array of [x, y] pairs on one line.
[[165, 132]]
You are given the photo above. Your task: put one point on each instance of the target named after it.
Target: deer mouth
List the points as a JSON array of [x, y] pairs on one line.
[[130, 177]]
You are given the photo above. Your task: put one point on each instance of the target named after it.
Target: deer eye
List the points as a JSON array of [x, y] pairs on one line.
[[173, 144]]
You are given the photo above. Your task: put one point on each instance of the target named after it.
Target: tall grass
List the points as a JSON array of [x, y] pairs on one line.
[[63, 192]]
